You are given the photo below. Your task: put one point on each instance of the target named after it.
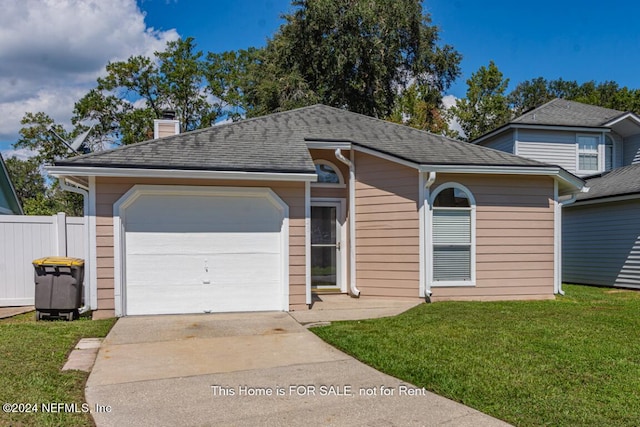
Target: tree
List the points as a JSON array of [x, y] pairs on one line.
[[358, 55], [485, 106], [413, 110], [529, 94], [38, 134], [140, 89], [535, 92], [26, 177]]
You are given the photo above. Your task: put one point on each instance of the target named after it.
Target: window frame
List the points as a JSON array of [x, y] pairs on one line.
[[472, 244], [580, 151], [605, 145], [341, 183]]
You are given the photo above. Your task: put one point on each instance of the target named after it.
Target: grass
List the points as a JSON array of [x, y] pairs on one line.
[[573, 361], [31, 356]]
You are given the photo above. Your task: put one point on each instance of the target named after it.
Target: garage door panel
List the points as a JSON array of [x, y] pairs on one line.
[[198, 214], [202, 243], [189, 254], [138, 301], [144, 270]]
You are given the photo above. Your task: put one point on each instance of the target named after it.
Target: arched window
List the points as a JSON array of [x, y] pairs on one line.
[[328, 174], [453, 235]]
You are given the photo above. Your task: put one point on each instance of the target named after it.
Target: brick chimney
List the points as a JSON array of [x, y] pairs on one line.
[[166, 126]]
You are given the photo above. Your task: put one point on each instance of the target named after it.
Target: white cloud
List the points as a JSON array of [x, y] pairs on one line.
[[52, 51], [21, 153], [449, 101]]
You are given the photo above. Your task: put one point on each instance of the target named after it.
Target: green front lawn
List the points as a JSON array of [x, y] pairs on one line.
[[574, 361], [31, 356]]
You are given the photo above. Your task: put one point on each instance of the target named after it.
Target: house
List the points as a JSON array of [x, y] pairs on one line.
[[583, 139], [9, 202], [601, 228], [601, 231], [263, 213]]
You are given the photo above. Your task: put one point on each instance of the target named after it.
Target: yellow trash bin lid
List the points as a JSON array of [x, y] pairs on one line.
[[58, 261]]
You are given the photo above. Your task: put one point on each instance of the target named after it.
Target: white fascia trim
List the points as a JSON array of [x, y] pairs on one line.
[[629, 115], [506, 170], [386, 157], [177, 173], [606, 200], [328, 145], [127, 199], [540, 127]]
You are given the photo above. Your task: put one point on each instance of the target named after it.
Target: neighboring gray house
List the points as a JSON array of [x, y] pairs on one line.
[[9, 203], [601, 229]]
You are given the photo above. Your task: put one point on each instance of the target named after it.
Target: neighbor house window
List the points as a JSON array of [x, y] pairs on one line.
[[587, 153], [328, 174], [608, 153], [453, 235]]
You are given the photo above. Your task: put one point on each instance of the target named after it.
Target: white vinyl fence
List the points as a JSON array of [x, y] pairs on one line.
[[25, 238]]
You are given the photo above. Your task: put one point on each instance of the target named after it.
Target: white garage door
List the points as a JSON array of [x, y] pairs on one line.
[[204, 252]]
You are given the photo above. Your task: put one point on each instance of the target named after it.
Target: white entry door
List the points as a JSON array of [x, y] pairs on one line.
[[327, 272]]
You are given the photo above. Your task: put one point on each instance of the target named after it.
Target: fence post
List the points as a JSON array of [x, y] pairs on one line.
[[60, 226]]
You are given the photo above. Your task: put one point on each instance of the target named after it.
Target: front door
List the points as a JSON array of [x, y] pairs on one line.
[[325, 247]]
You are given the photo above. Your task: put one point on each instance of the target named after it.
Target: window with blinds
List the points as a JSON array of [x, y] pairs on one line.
[[451, 228]]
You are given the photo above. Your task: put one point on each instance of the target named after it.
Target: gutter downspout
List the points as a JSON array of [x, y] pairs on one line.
[[427, 241], [85, 206], [561, 205], [355, 292]]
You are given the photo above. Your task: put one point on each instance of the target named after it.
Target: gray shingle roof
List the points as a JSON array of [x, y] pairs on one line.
[[276, 143], [618, 182], [560, 112]]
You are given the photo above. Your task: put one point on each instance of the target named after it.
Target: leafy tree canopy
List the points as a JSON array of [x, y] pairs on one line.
[[485, 106]]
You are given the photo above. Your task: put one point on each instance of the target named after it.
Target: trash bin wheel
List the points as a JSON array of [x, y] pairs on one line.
[[38, 315]]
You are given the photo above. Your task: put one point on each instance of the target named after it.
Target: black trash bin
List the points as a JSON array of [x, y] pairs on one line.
[[58, 283]]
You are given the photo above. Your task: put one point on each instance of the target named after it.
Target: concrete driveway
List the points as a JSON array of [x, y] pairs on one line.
[[249, 369]]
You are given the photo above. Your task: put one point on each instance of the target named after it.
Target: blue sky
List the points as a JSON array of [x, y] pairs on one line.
[[575, 40], [51, 54]]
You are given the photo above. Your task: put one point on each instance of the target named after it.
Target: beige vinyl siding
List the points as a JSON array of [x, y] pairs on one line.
[[387, 228], [109, 190], [166, 128], [631, 150], [553, 147], [601, 244], [514, 238], [503, 142]]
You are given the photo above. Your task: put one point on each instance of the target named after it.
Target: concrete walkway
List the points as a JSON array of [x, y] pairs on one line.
[[14, 311], [249, 369]]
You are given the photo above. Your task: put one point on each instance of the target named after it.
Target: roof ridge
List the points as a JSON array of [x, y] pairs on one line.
[[191, 132]]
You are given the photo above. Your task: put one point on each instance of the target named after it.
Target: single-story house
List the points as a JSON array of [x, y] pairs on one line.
[[263, 213], [600, 243], [9, 202]]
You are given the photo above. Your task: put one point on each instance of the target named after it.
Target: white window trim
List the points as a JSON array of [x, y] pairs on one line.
[[432, 197], [335, 168], [598, 152]]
